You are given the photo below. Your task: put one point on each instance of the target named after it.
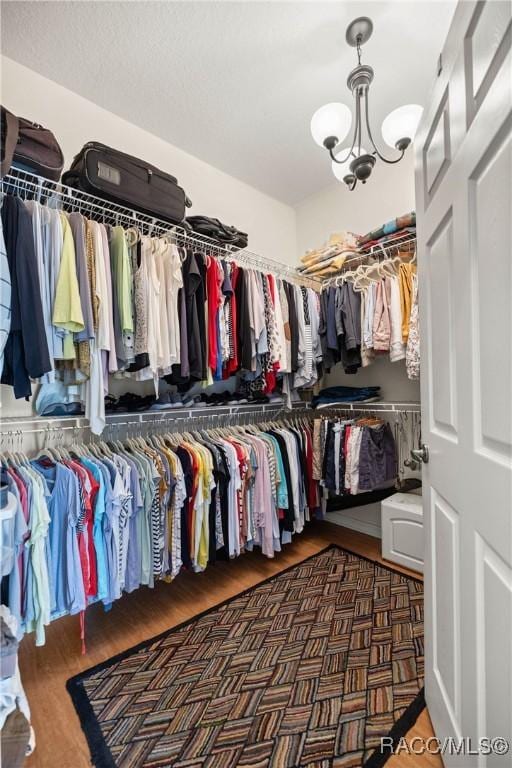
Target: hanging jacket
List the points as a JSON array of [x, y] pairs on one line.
[[26, 351]]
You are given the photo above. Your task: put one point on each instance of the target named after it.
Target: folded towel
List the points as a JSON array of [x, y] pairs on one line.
[[401, 222]]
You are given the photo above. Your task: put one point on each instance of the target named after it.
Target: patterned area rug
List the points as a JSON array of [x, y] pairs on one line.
[[308, 668]]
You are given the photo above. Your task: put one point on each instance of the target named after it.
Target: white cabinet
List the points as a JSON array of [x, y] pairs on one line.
[[402, 530]]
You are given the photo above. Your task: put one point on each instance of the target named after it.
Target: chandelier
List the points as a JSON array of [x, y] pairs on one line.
[[330, 124]]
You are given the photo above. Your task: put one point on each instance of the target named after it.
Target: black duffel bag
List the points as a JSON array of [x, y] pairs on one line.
[[126, 180], [222, 233], [29, 146]]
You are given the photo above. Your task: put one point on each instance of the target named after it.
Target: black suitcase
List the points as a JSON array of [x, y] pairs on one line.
[[126, 180]]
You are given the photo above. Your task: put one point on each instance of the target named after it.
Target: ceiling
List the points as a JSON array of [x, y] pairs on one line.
[[233, 83]]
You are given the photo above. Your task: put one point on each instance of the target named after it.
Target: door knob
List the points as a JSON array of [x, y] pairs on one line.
[[421, 454]]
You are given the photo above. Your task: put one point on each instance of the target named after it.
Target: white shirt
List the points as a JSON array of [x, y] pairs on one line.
[[112, 358], [173, 282], [103, 334], [152, 285]]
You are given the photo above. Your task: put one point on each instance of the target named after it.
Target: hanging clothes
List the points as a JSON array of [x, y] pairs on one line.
[[105, 301], [358, 323], [95, 521], [5, 297], [355, 455]]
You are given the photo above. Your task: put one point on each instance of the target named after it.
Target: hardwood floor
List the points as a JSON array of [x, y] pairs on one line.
[[145, 613]]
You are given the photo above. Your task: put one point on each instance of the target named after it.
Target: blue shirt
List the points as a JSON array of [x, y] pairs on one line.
[[66, 580]]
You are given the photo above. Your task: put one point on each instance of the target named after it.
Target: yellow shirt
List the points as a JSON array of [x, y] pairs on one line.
[[67, 309], [204, 535], [405, 273], [123, 277]]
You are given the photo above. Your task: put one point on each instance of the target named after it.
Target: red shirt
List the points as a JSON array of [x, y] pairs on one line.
[[214, 301], [232, 364]]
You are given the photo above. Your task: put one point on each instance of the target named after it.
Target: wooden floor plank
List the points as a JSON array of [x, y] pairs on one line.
[[145, 613]]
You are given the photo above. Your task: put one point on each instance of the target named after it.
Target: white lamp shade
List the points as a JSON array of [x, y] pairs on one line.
[[331, 120], [402, 123], [340, 170]]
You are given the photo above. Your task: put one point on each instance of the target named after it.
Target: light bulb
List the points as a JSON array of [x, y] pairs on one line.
[[341, 170], [332, 121], [400, 124]]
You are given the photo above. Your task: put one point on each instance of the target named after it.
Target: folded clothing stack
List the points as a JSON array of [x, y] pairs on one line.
[[329, 258], [407, 221], [56, 399], [340, 394]]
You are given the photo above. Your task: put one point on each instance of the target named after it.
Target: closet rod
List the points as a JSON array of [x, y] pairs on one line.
[[28, 185], [376, 407], [16, 428], [369, 410]]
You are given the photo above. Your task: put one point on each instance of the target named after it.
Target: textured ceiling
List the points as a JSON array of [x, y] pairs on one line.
[[233, 83]]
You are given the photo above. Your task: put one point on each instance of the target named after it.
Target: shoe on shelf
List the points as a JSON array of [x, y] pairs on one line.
[[258, 398], [176, 400], [192, 401], [237, 398], [163, 403]]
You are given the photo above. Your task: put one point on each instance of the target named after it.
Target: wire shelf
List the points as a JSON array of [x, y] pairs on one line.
[[32, 187], [403, 240]]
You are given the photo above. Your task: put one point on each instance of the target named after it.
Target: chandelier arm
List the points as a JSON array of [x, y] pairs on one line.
[[344, 160], [368, 129], [358, 121]]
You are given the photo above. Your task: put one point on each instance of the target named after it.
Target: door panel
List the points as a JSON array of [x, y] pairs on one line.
[[445, 566], [490, 200], [493, 610], [463, 206], [486, 46], [439, 257], [436, 153]]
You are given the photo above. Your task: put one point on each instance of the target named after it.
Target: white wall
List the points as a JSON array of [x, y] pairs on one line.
[[275, 230], [74, 120], [388, 193]]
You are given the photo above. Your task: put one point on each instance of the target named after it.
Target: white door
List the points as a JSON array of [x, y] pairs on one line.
[[464, 209]]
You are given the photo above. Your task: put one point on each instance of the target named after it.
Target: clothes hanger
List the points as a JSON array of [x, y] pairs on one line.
[[391, 266], [362, 278], [94, 448], [19, 455], [8, 454], [46, 453], [132, 232]]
